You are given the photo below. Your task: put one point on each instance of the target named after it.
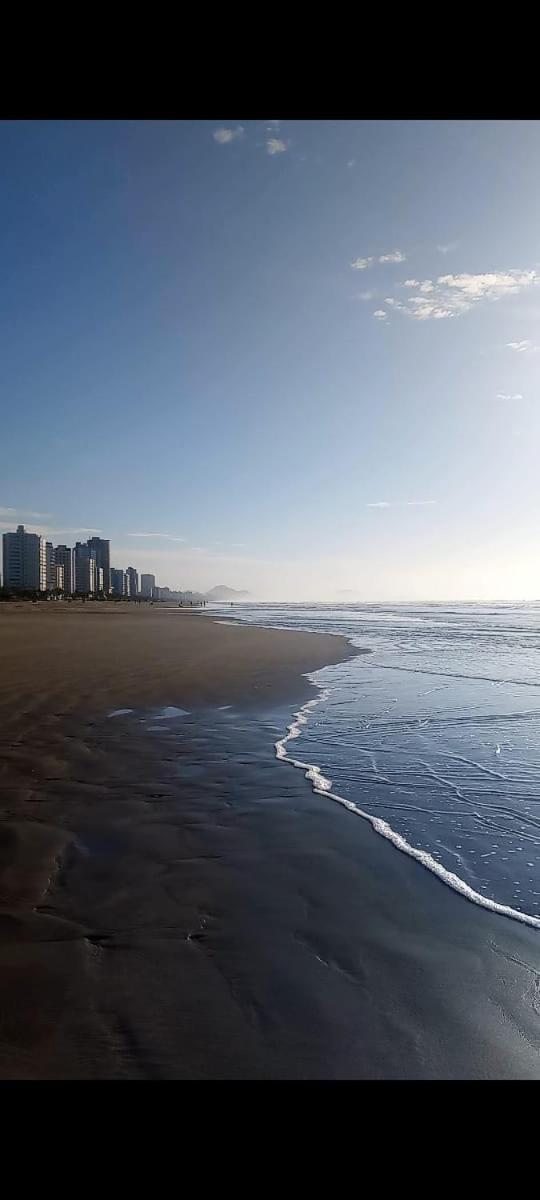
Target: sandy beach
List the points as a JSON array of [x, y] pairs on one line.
[[58, 658], [63, 668], [175, 903]]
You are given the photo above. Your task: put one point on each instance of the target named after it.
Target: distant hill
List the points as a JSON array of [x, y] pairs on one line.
[[221, 592]]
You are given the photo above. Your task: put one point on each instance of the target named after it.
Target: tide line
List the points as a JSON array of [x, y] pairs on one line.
[[322, 786]]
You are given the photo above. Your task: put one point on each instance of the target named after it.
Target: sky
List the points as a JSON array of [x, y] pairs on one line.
[[299, 358]]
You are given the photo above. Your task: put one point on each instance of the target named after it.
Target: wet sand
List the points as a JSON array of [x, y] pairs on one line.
[[175, 903], [58, 658], [63, 667]]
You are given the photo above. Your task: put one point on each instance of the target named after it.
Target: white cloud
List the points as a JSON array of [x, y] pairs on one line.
[[400, 503], [276, 146], [410, 283], [490, 285], [273, 125], [380, 314], [508, 396], [224, 135], [448, 248], [169, 537], [365, 295], [522, 347], [452, 295], [351, 162], [395, 256]]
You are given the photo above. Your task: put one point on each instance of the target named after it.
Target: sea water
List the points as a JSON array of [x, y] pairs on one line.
[[433, 736]]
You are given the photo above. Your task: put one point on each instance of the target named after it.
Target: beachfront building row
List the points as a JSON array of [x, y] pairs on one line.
[[86, 567], [30, 563], [125, 583]]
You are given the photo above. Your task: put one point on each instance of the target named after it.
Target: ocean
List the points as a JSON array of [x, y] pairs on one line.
[[432, 736]]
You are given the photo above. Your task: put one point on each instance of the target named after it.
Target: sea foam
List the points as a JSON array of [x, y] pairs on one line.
[[322, 786]]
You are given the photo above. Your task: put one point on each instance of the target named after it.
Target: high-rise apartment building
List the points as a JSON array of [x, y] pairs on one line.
[[100, 549], [42, 565], [50, 573], [84, 569], [118, 582], [63, 556], [24, 560], [148, 584], [132, 582]]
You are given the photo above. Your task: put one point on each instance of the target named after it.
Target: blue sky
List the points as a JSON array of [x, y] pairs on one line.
[[300, 358]]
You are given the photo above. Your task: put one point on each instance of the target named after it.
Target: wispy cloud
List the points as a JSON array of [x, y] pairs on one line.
[[276, 146], [23, 512], [509, 396], [400, 503], [48, 531], [522, 347], [169, 537], [453, 295], [393, 256], [273, 126], [351, 162], [223, 135], [365, 295], [380, 314], [448, 248]]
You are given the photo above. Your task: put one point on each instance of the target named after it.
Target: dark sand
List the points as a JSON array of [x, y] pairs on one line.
[[175, 903]]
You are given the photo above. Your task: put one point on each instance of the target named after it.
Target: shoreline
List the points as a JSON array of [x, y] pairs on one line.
[[322, 786], [184, 908]]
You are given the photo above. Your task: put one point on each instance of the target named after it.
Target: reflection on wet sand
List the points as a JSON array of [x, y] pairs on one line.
[[202, 915]]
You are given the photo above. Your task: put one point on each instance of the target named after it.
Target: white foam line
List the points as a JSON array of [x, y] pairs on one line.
[[323, 787]]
